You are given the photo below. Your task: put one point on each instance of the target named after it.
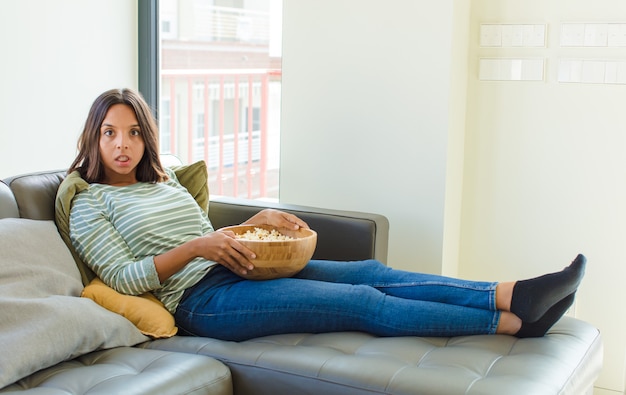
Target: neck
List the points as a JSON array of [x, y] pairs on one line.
[[121, 183], [120, 180]]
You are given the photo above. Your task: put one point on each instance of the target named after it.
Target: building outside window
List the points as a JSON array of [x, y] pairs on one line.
[[220, 87]]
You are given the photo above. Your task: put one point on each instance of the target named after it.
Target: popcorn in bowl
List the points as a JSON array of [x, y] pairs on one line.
[[263, 234]]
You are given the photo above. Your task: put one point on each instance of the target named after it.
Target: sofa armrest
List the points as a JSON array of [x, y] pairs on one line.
[[35, 193], [8, 205], [341, 235]]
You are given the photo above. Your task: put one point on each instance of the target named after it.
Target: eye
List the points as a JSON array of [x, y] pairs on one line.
[[135, 132], [108, 132]]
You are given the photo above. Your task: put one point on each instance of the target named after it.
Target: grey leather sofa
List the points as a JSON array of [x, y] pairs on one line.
[[566, 361]]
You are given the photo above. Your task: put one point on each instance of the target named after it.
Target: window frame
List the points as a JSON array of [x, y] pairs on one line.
[[148, 52]]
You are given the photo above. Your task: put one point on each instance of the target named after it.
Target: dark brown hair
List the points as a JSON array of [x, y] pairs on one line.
[[88, 161]]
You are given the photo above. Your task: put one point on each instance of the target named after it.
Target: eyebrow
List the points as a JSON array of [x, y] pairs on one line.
[[110, 125]]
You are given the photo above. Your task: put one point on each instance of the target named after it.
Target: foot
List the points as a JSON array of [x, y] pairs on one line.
[[540, 327], [532, 298]]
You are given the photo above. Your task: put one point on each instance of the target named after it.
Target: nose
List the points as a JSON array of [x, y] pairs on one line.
[[122, 141]]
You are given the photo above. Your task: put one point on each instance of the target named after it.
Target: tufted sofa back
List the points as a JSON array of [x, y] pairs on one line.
[[33, 195]]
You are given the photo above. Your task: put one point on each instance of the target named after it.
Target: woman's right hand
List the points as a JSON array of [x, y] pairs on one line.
[[218, 246], [222, 247]]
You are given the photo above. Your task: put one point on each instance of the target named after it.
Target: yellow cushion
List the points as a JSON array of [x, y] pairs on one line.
[[145, 311]]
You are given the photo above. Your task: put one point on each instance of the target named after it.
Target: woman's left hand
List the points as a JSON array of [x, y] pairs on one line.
[[277, 218]]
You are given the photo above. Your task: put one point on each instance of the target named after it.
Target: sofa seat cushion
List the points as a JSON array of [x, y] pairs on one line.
[[566, 361], [127, 370]]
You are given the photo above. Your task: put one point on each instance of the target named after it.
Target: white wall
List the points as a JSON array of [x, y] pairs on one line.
[[365, 115], [545, 170], [57, 56], [456, 138]]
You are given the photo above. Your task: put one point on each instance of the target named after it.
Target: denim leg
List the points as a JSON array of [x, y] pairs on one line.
[[225, 306], [404, 284]]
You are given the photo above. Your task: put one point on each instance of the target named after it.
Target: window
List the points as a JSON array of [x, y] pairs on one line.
[[166, 28], [219, 87], [164, 120]]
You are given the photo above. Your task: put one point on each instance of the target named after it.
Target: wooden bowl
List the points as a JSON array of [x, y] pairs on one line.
[[277, 259]]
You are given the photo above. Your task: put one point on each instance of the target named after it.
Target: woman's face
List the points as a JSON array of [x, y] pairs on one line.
[[121, 145]]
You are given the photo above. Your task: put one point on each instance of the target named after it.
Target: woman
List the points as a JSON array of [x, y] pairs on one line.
[[139, 230]]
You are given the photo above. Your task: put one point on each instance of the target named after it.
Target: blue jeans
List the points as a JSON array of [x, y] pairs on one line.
[[331, 296]]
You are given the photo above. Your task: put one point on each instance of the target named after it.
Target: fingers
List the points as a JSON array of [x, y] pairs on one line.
[[296, 221], [283, 219], [277, 218], [236, 263], [288, 221], [238, 258], [221, 247], [228, 233]]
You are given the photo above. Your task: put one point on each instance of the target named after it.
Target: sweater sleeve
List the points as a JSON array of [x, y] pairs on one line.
[[104, 250]]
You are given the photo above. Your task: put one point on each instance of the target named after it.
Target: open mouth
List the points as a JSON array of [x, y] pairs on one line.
[[123, 160]]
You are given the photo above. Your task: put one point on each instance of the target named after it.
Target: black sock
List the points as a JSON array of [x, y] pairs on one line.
[[540, 327], [532, 298]]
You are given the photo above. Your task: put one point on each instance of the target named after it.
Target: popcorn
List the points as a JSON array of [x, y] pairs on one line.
[[263, 235]]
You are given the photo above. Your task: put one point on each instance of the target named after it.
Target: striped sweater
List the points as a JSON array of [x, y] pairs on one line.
[[117, 232]]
